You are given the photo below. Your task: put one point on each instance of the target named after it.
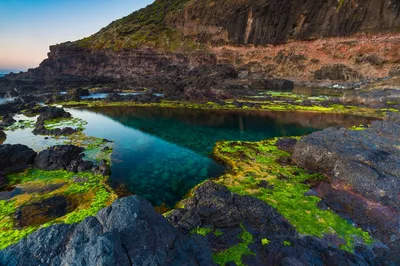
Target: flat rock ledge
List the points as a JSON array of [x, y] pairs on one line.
[[129, 232], [363, 167]]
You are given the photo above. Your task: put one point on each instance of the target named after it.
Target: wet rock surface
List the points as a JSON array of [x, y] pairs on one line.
[[213, 206], [38, 213], [15, 157], [58, 157], [129, 232], [364, 174]]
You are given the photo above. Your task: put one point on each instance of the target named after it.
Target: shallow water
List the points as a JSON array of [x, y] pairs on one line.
[[161, 153]]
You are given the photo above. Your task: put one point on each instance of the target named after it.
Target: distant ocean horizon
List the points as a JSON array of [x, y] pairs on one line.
[[1, 75]]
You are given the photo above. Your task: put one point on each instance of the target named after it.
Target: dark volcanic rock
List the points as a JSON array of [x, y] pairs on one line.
[[15, 157], [42, 130], [273, 84], [58, 157], [286, 144], [7, 120], [3, 181], [363, 167], [102, 169], [337, 72], [213, 206], [50, 112], [129, 232]]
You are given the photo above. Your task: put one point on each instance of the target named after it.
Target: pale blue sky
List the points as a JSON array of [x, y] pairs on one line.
[[29, 27]]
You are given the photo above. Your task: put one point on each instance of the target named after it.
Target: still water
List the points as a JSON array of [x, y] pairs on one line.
[[161, 153]]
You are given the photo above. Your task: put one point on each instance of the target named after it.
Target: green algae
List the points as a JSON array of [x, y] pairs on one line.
[[287, 243], [21, 124], [75, 123], [262, 106], [264, 241], [88, 192], [235, 253], [203, 231], [253, 162]]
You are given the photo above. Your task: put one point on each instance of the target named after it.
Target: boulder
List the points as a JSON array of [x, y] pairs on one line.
[[362, 164], [51, 112], [15, 157], [214, 206], [58, 157], [129, 232], [7, 120]]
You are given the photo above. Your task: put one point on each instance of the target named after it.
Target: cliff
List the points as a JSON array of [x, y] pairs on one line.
[[164, 44]]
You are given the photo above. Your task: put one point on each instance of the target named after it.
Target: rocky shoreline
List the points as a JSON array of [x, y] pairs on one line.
[[241, 217]]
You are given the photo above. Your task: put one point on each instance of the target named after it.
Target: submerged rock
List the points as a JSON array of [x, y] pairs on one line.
[[58, 157], [15, 157], [129, 232], [364, 171], [274, 241]]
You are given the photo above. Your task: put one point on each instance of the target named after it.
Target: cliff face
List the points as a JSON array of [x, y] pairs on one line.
[[167, 41], [263, 22]]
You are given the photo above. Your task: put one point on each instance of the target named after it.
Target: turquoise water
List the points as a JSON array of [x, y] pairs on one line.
[[161, 153]]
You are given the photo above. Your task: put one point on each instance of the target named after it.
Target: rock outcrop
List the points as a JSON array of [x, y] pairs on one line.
[[364, 173], [15, 157], [58, 157], [129, 232], [214, 207]]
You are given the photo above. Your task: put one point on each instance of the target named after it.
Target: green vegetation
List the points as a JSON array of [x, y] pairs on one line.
[[148, 27], [235, 253], [287, 243], [85, 193], [264, 241], [75, 123], [28, 123], [203, 231], [253, 162]]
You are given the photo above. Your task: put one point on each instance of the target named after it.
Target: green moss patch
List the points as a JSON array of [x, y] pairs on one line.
[[235, 253], [85, 194], [255, 162]]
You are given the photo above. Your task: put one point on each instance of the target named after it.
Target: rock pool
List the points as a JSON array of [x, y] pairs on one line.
[[161, 153]]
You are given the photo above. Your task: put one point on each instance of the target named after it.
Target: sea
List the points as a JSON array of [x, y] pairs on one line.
[[2, 75]]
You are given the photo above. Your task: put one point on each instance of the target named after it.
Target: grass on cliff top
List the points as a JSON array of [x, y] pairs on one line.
[[147, 27], [253, 162], [85, 193]]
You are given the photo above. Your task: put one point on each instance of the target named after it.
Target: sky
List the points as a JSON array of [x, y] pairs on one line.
[[29, 27]]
